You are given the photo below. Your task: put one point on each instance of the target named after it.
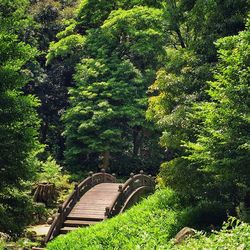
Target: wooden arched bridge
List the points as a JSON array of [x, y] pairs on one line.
[[97, 198]]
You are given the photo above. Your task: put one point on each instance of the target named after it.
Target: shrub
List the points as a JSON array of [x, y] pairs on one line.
[[237, 237], [51, 172], [15, 211]]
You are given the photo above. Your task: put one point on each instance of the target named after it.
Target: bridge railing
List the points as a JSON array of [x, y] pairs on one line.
[[134, 187], [79, 191]]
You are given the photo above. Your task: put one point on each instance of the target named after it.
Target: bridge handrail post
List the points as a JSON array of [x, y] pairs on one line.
[[77, 192], [54, 227], [114, 175], [131, 177], [60, 213], [107, 211], [142, 177], [103, 175], [91, 175]]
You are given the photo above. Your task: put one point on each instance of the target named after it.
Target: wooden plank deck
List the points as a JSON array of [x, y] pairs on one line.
[[91, 207], [95, 201]]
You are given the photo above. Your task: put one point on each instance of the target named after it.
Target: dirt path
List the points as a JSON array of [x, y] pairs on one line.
[[40, 230]]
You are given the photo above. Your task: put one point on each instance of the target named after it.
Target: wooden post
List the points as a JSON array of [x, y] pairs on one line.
[[60, 211], [91, 175], [103, 175], [114, 175], [132, 176], [45, 192], [120, 188], [107, 210], [143, 180], [77, 192]]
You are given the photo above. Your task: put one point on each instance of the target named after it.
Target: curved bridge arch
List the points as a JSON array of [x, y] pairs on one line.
[[130, 192], [135, 197], [97, 198]]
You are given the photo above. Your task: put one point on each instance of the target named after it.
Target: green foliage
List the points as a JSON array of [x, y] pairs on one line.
[[18, 118], [222, 147], [108, 101], [52, 173], [92, 13], [234, 235], [14, 203], [210, 20], [179, 84], [137, 34], [49, 18], [179, 92], [101, 107], [40, 213], [101, 60], [67, 46]]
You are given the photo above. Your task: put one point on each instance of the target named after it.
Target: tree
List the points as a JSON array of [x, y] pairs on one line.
[[181, 85], [107, 112], [222, 148], [18, 119], [102, 103]]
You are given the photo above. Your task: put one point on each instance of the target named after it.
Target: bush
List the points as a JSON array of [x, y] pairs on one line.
[[52, 173], [15, 211], [228, 238], [204, 216]]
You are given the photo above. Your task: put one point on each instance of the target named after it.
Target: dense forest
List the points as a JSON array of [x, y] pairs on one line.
[[162, 86]]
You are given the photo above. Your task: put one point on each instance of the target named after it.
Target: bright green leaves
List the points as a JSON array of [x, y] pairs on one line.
[[68, 46], [14, 55], [101, 106], [92, 13], [122, 50], [221, 148], [178, 86], [204, 123], [137, 34]]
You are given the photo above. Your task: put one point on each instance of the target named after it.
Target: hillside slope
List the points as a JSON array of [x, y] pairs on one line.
[[151, 225]]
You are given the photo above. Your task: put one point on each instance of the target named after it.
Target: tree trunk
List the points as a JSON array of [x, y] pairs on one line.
[[137, 140], [180, 37], [104, 160], [45, 193]]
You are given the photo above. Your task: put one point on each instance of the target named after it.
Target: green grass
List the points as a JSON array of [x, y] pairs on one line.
[[151, 225]]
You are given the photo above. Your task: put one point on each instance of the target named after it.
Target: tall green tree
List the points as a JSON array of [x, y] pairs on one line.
[[111, 86], [18, 119], [181, 84], [222, 149]]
